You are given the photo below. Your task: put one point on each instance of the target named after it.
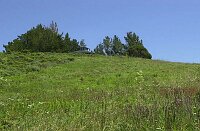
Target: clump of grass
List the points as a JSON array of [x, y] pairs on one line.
[[5, 125], [18, 63]]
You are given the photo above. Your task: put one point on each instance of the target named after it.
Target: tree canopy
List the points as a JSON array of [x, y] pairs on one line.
[[43, 39], [48, 39], [135, 46], [113, 46]]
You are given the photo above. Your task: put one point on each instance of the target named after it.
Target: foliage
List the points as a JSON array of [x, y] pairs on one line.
[[43, 39], [139, 51], [135, 46], [118, 47], [107, 44], [110, 46], [82, 43], [99, 49], [70, 45], [48, 39]]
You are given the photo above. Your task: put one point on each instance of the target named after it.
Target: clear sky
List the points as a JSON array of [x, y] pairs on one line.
[[170, 29]]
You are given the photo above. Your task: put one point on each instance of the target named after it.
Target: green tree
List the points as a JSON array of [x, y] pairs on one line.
[[74, 45], [110, 46], [37, 39], [43, 39], [135, 47], [104, 48], [107, 44], [82, 43], [117, 45], [67, 43], [54, 27], [99, 49], [70, 45]]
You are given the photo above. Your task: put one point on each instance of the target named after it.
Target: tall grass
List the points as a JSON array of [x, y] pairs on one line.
[[103, 93]]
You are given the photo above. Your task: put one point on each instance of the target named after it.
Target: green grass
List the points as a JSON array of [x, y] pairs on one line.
[[20, 63], [46, 91]]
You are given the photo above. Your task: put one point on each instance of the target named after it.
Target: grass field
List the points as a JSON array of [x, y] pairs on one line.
[[46, 91]]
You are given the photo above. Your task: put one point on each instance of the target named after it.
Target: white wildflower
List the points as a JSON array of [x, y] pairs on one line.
[[158, 128], [2, 104], [11, 99], [41, 103], [31, 105]]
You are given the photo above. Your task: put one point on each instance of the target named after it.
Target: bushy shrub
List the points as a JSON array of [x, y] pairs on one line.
[[42, 39], [139, 51]]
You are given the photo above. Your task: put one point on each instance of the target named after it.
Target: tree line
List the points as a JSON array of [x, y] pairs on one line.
[[113, 46], [48, 39]]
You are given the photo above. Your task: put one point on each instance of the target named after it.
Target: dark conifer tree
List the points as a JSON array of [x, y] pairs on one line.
[[135, 47], [117, 45], [43, 39]]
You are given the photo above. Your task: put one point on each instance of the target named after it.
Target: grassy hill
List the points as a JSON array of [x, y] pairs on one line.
[[46, 91]]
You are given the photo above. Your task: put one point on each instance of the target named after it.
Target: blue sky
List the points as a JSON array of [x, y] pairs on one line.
[[170, 29]]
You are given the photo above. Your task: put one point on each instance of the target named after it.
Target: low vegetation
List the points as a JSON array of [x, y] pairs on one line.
[[90, 92], [20, 63]]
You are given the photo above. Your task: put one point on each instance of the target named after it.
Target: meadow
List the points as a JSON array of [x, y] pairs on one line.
[[54, 91]]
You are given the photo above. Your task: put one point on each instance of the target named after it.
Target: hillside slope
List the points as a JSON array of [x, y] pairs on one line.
[[72, 92]]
